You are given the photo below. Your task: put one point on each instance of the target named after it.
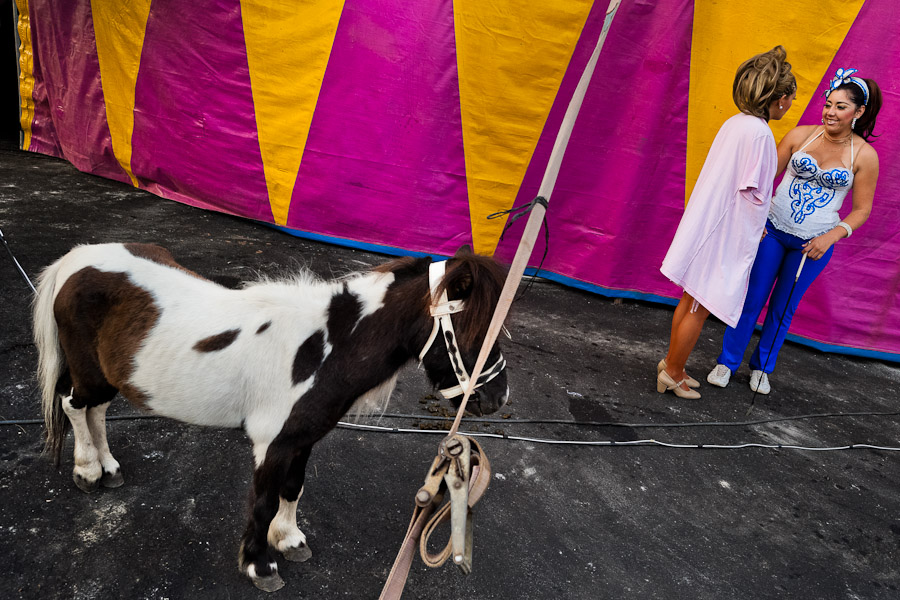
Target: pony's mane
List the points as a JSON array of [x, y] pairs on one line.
[[304, 277], [300, 276], [479, 279], [404, 262], [482, 278]]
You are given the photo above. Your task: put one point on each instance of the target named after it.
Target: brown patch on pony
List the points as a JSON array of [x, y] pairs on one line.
[[217, 342], [408, 294], [263, 327], [103, 318], [406, 266], [159, 255]]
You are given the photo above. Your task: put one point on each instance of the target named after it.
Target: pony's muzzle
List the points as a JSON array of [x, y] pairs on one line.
[[483, 403]]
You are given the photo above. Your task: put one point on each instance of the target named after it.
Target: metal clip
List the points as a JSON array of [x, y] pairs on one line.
[[427, 492], [457, 449]]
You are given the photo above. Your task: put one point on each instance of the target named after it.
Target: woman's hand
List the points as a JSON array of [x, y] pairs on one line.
[[818, 246]]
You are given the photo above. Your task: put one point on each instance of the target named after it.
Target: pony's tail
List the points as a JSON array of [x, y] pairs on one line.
[[51, 361]]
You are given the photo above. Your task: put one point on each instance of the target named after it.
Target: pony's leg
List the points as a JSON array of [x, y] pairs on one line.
[[284, 534], [96, 420], [255, 558], [88, 470]]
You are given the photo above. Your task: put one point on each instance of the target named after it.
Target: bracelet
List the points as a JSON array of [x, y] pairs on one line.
[[846, 227]]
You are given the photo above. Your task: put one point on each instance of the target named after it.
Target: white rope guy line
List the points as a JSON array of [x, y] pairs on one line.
[[610, 443], [647, 442], [16, 262]]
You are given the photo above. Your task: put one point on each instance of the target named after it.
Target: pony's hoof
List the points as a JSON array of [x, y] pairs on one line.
[[85, 485], [300, 553], [112, 480], [268, 583]]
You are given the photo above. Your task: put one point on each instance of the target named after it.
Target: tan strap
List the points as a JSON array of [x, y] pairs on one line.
[[536, 218], [481, 473], [435, 560], [478, 484], [425, 520], [396, 581]]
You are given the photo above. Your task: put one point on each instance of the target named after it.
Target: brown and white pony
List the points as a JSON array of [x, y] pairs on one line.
[[284, 360]]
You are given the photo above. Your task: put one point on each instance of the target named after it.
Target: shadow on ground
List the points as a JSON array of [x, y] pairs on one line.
[[559, 521]]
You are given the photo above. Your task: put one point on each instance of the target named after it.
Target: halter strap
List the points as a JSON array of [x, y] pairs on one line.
[[441, 309]]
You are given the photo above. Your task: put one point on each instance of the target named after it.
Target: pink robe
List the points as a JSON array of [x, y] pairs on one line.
[[716, 242]]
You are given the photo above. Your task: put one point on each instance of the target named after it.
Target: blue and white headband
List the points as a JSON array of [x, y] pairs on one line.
[[842, 76]]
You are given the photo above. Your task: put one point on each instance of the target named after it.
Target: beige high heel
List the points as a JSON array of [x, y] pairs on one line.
[[665, 383], [690, 381]]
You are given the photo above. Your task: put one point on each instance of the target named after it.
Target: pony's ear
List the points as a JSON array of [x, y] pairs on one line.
[[459, 278], [464, 250]]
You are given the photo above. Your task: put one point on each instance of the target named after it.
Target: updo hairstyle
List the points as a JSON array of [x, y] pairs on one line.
[[762, 79]]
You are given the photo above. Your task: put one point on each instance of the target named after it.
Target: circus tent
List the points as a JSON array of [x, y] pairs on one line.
[[400, 126]]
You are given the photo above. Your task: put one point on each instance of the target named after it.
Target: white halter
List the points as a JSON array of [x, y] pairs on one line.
[[441, 309]]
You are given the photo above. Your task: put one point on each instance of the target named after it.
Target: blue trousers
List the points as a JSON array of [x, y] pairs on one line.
[[775, 267]]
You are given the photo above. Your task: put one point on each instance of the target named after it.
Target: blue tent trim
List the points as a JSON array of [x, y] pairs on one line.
[[389, 250], [612, 293], [581, 285]]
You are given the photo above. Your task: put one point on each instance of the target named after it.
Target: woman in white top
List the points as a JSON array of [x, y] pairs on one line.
[[823, 163]]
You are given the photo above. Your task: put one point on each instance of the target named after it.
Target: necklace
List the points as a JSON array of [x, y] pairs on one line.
[[842, 141]]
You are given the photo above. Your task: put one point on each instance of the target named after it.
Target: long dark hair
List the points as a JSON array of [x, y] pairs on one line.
[[866, 123]]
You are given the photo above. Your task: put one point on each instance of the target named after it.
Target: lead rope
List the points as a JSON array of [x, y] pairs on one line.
[[15, 262], [532, 227], [455, 455]]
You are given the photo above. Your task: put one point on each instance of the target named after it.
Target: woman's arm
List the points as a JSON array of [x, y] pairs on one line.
[[864, 181], [790, 143]]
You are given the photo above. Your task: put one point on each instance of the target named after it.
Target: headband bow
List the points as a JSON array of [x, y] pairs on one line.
[[842, 76]]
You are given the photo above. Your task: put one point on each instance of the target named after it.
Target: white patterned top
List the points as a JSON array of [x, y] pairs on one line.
[[808, 199]]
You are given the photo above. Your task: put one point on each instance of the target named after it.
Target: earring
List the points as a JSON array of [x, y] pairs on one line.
[[823, 120], [780, 107], [853, 124]]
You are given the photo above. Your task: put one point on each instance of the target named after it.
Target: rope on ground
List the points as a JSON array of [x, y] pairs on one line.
[[611, 443], [496, 421], [606, 443], [16, 262]]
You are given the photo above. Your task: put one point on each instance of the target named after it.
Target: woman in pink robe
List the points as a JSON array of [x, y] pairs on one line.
[[715, 244]]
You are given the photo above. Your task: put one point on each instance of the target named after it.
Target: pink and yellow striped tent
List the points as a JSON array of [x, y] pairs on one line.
[[400, 125]]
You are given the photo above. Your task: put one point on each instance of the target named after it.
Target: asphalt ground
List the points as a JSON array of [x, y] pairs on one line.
[[558, 521]]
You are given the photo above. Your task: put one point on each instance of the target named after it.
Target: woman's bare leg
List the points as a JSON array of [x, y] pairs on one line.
[[684, 306], [686, 328]]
